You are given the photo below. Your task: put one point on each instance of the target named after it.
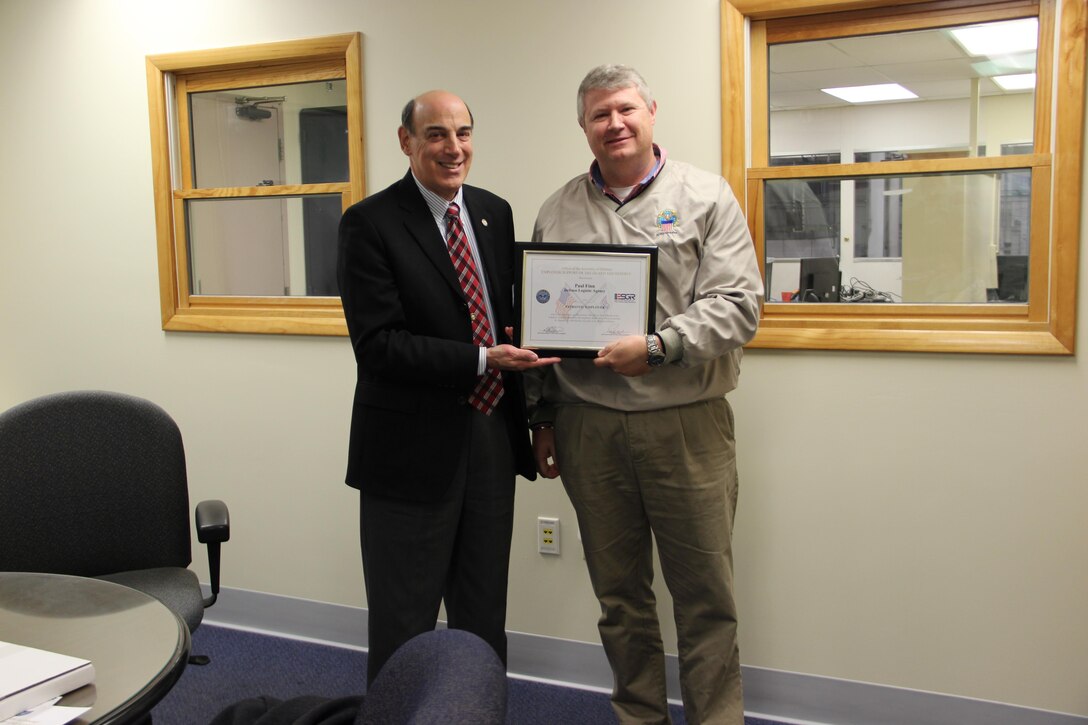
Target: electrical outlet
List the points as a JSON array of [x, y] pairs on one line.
[[547, 535]]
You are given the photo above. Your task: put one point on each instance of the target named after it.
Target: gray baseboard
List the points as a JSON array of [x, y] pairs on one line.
[[788, 697], [794, 697]]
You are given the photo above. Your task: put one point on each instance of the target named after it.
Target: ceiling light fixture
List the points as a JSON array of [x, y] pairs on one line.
[[871, 94], [1010, 36], [1018, 82]]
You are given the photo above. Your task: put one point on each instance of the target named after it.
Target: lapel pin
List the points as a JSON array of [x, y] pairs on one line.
[[484, 222]]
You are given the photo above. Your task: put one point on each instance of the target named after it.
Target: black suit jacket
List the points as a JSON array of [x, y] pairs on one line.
[[408, 320]]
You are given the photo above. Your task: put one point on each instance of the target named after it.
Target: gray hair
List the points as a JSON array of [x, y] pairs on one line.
[[611, 77], [408, 115]]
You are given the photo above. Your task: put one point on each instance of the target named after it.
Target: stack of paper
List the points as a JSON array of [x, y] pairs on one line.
[[29, 677]]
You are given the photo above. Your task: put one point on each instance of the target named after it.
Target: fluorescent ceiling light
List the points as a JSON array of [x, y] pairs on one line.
[[1011, 36], [1018, 82], [870, 94]]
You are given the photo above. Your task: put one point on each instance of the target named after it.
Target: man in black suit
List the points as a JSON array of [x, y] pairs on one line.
[[438, 427]]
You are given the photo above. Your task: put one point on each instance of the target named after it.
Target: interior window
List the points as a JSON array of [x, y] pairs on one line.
[[903, 156], [258, 150]]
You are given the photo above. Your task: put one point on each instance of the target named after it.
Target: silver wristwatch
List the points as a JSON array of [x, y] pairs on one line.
[[655, 355]]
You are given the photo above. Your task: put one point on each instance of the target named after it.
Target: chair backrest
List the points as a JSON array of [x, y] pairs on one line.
[[438, 677], [92, 483]]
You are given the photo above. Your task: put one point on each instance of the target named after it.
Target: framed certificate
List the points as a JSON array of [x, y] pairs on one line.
[[573, 299]]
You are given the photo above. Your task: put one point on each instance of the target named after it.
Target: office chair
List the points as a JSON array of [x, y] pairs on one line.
[[93, 484], [440, 677]]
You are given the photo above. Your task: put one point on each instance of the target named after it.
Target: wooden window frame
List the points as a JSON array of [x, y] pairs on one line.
[[1046, 324], [173, 75]]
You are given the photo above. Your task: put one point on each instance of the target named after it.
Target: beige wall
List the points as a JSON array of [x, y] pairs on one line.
[[913, 520]]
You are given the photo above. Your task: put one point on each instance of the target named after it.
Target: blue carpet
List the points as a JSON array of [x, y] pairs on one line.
[[245, 665]]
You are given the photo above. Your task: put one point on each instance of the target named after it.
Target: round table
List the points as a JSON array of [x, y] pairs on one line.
[[137, 645]]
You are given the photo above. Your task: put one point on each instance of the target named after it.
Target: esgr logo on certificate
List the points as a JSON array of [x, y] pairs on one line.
[[625, 297]]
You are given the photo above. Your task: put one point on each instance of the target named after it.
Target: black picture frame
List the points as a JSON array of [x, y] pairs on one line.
[[530, 294]]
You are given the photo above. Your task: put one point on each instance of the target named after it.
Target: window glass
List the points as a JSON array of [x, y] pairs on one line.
[[951, 238], [877, 215], [263, 247], [945, 89], [270, 135], [802, 217]]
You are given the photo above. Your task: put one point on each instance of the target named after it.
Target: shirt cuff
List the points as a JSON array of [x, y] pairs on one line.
[[543, 414], [481, 366], [674, 344]]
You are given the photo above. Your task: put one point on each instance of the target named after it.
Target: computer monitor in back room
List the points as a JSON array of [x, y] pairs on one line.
[[820, 280]]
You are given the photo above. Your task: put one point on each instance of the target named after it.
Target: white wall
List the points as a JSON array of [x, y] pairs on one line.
[[925, 125], [913, 520]]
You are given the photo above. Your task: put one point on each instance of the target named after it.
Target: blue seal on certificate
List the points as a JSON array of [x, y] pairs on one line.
[[543, 296]]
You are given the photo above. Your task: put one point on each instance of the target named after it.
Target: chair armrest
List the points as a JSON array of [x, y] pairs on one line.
[[212, 522], [212, 529]]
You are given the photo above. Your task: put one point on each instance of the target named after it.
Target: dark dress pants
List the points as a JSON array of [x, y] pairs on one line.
[[417, 554]]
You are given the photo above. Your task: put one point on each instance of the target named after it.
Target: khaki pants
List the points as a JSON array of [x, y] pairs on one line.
[[671, 472]]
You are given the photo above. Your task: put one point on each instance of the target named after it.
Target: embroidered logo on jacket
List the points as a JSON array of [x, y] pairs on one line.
[[666, 221]]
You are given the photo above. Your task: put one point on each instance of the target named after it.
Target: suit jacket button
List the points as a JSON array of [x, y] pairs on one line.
[[462, 400]]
